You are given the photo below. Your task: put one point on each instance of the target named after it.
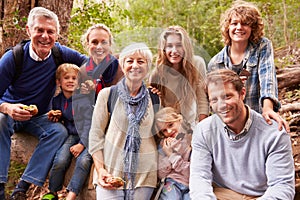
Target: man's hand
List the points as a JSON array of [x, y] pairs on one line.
[[15, 111]]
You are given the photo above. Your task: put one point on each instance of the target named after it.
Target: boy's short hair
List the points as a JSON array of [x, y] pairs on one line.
[[64, 68]]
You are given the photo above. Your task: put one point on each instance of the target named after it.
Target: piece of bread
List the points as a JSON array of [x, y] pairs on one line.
[[31, 108], [115, 181]]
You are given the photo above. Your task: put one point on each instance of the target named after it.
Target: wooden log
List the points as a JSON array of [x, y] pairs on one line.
[[288, 77], [290, 107]]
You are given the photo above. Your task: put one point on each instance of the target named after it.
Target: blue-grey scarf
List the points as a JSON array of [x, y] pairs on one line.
[[136, 108]]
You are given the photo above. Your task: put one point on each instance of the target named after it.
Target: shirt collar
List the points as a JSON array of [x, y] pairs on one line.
[[233, 136], [34, 56]]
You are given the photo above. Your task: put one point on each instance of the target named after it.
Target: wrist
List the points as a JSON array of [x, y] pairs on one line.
[[267, 104], [3, 108]]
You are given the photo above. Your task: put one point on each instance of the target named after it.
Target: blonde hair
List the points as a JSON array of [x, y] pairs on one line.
[[166, 115], [140, 48], [65, 68], [85, 36], [249, 14]]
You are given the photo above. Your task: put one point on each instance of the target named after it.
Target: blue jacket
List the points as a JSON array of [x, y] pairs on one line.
[[76, 114]]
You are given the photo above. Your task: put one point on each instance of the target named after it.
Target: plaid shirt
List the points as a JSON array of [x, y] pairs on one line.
[[259, 61]]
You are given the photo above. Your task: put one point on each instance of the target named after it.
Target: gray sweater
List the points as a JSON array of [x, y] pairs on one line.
[[259, 164]]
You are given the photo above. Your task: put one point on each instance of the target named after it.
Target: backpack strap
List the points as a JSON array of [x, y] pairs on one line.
[[112, 99], [155, 100], [18, 53], [57, 56]]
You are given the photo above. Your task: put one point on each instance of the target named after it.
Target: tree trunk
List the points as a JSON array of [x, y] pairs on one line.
[[14, 15]]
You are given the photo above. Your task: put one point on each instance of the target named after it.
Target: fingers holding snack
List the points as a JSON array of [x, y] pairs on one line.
[[115, 182], [87, 86], [90, 85], [54, 115], [31, 108]]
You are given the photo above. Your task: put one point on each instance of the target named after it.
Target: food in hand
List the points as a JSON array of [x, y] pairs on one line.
[[115, 181], [90, 85], [54, 114], [31, 108]]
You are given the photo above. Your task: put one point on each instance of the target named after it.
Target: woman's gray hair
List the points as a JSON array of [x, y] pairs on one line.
[[140, 48], [42, 12]]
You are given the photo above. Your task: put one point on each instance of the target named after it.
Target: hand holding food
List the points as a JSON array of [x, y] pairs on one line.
[[54, 115], [115, 181], [90, 85], [31, 108], [87, 86]]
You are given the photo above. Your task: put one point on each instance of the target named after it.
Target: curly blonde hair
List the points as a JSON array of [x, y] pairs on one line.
[[249, 14]]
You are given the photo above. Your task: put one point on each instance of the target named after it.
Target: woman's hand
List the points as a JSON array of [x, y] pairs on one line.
[[103, 175], [155, 90], [87, 87]]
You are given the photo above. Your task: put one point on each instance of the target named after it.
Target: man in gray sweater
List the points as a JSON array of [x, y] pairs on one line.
[[235, 153]]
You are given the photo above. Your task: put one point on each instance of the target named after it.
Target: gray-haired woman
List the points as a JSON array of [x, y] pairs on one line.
[[121, 142]]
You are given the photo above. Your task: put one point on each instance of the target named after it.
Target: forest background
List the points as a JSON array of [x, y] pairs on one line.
[[144, 20]]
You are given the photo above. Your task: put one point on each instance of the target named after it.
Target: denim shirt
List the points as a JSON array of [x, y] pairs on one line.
[[259, 61]]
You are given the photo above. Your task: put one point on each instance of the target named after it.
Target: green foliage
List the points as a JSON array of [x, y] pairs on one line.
[[143, 21], [92, 13], [15, 172], [290, 95]]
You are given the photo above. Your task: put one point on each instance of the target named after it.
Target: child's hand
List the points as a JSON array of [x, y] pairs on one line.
[[76, 149], [54, 115], [167, 146]]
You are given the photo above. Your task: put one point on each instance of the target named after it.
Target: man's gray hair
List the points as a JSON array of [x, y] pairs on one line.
[[42, 12]]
